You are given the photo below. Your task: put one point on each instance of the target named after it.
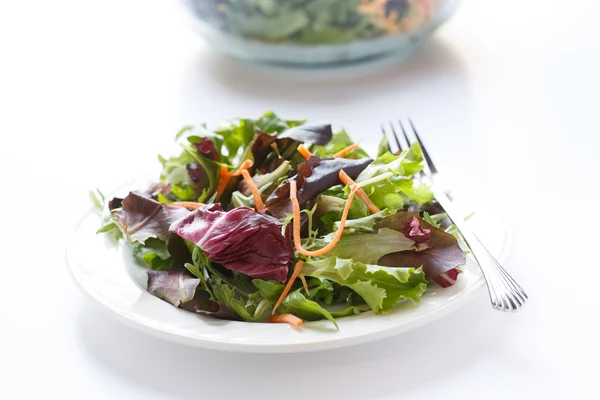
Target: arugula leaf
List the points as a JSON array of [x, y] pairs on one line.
[[98, 199], [251, 309], [364, 224], [380, 287], [295, 303], [270, 290], [154, 253], [427, 218]]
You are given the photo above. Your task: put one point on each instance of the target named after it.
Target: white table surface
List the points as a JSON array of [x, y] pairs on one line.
[[506, 94]]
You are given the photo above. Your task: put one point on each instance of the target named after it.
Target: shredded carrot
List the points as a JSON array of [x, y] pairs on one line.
[[258, 203], [187, 204], [296, 221], [286, 318], [245, 165], [304, 151], [223, 181], [359, 192], [288, 285], [344, 152], [303, 279]]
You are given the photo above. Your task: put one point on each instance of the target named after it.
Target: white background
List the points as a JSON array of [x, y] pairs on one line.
[[506, 94]]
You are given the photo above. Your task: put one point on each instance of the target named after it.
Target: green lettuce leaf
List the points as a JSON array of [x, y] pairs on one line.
[[339, 142], [239, 133], [383, 146], [380, 287], [370, 247], [388, 180]]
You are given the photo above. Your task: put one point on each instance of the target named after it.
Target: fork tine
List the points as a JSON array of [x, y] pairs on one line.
[[404, 133], [396, 137], [425, 153], [386, 139]]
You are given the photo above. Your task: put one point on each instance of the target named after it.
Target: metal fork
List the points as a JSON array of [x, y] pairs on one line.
[[505, 293]]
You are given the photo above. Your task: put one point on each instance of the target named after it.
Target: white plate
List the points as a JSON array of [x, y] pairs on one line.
[[106, 273]]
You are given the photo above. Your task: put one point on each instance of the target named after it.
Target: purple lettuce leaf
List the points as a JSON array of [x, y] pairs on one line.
[[175, 287], [315, 176], [183, 290], [262, 147], [319, 134], [206, 147], [241, 240], [141, 217], [439, 259]]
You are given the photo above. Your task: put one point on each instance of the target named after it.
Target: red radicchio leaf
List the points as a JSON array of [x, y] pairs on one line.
[[206, 147], [439, 260], [315, 175], [412, 230], [241, 239], [141, 217]]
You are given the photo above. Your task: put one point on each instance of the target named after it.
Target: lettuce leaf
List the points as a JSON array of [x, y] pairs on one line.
[[368, 247], [238, 133], [241, 240], [141, 218], [154, 254], [439, 261], [319, 134], [388, 180], [339, 142], [295, 303], [315, 176], [380, 287], [175, 287]]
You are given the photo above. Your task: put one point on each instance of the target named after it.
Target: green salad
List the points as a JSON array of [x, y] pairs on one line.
[[267, 219], [313, 21]]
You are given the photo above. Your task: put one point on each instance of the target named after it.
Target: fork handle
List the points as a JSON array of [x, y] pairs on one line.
[[505, 293]]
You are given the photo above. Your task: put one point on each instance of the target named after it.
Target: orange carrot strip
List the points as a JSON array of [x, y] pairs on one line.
[[289, 284], [286, 318], [296, 220], [304, 151], [303, 279], [359, 192], [223, 181], [347, 150], [187, 204], [245, 165], [258, 203]]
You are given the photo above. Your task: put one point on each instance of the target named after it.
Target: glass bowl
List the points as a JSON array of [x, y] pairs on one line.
[[312, 32]]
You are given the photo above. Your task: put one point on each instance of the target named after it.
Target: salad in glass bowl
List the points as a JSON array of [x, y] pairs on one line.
[[272, 220], [317, 31]]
